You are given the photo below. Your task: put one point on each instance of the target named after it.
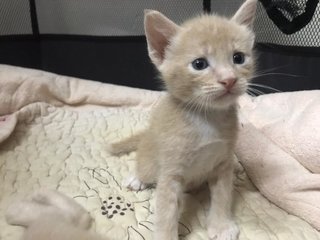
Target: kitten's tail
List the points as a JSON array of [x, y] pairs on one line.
[[126, 145]]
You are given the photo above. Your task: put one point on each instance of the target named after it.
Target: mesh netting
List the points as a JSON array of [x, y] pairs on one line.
[[283, 22], [298, 26], [292, 22], [15, 17], [290, 15], [87, 17]]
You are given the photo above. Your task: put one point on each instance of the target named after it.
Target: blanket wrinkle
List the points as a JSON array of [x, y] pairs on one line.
[[278, 175], [26, 114], [290, 123], [7, 126], [41, 86]]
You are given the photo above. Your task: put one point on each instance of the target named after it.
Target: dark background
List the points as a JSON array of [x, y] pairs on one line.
[[124, 60]]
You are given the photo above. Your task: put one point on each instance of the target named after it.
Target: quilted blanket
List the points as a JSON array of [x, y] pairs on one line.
[[54, 131]]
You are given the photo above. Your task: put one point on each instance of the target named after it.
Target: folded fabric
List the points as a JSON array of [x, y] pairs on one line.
[[279, 147]]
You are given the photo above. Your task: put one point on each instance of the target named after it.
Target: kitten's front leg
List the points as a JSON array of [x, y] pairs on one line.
[[168, 202], [220, 223]]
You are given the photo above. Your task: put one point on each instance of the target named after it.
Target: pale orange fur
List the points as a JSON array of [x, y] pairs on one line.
[[192, 132]]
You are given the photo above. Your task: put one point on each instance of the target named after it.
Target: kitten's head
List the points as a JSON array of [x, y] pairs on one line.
[[207, 60]]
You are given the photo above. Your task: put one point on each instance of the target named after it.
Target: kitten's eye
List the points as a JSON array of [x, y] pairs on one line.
[[200, 64], [238, 58]]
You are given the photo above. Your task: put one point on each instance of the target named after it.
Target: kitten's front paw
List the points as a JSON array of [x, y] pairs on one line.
[[134, 184], [226, 231]]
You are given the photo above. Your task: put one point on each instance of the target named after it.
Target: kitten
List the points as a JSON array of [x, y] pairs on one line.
[[206, 64], [50, 215]]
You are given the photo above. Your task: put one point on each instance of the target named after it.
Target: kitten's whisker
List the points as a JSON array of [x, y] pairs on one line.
[[187, 106], [264, 86], [196, 108], [272, 69], [209, 87], [207, 108], [200, 104], [256, 91], [209, 90], [280, 74], [203, 106], [191, 104], [250, 93], [211, 94]]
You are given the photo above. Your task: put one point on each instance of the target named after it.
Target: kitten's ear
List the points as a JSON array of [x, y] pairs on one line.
[[246, 13], [159, 30]]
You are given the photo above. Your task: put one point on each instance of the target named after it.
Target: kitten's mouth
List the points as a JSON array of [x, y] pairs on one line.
[[232, 93], [225, 94]]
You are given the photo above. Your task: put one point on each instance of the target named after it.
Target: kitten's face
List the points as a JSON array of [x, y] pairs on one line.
[[209, 62]]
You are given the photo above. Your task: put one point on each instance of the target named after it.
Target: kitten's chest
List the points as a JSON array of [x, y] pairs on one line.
[[210, 130], [211, 143]]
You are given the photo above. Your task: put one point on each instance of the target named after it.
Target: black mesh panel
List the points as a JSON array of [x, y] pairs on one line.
[[15, 17]]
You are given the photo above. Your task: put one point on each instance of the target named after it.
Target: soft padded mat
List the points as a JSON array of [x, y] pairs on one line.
[[54, 131]]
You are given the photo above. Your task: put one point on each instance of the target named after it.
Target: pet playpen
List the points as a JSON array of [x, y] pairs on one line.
[[103, 39], [54, 129]]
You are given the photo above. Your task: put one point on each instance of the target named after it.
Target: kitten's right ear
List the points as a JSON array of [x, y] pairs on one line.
[[159, 31], [246, 13]]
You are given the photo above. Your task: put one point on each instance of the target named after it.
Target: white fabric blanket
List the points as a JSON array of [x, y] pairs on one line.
[[53, 133]]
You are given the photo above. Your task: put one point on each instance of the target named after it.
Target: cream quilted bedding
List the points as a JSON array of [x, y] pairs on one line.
[[53, 133]]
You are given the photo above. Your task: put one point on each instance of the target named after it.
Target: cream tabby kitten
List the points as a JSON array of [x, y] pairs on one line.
[[50, 215], [206, 64]]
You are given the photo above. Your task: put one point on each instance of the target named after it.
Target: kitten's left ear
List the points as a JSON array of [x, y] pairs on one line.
[[159, 31], [246, 13]]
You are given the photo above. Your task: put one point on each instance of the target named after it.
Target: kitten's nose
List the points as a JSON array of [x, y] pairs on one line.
[[228, 83]]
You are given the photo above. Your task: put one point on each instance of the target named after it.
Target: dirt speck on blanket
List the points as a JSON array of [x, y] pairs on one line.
[[63, 147]]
